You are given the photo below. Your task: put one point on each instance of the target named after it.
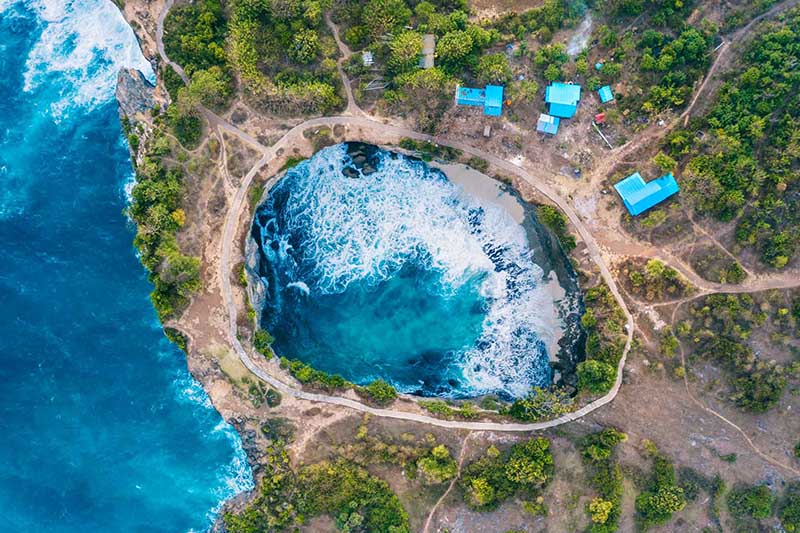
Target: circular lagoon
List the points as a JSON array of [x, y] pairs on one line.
[[372, 264]]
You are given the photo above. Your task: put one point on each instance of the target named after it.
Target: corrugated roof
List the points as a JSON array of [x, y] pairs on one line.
[[563, 93], [639, 196], [494, 100], [469, 96], [605, 94], [547, 124], [563, 99]]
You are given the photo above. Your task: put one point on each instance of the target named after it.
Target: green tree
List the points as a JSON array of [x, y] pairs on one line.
[[600, 510], [789, 508], [530, 463], [751, 501], [493, 68], [657, 507], [385, 16], [210, 88], [552, 72], [305, 46], [454, 47], [596, 376], [665, 162], [262, 342], [404, 51], [380, 392], [438, 466]]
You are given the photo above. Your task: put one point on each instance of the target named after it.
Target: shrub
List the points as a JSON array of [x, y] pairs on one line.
[[789, 509], [596, 376], [663, 497], [754, 501], [531, 463], [438, 466], [496, 476], [541, 404], [262, 342], [379, 391]]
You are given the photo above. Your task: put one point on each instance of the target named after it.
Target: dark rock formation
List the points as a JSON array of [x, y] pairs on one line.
[[135, 94]]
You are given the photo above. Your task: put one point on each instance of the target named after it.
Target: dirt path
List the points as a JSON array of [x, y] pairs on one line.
[[703, 93], [461, 456], [160, 41], [712, 412], [352, 107]]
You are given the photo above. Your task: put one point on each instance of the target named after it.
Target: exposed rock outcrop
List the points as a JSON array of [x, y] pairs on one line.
[[135, 94]]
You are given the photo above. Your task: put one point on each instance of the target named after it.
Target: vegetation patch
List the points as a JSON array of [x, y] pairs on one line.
[[604, 323], [597, 452], [354, 498], [379, 392], [720, 326], [739, 162], [662, 496], [653, 281], [308, 375], [525, 469]]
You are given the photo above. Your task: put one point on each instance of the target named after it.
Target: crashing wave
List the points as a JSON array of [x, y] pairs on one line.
[[82, 47], [328, 231]]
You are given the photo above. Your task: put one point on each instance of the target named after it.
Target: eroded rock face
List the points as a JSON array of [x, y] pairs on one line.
[[135, 94]]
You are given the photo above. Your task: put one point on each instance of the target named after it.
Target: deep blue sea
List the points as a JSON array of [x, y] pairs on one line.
[[102, 429], [400, 274]]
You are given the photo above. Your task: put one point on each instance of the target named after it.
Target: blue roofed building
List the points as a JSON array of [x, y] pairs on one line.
[[639, 196], [547, 124], [605, 94], [563, 99], [490, 98]]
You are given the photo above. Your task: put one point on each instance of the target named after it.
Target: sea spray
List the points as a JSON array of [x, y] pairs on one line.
[[478, 315]]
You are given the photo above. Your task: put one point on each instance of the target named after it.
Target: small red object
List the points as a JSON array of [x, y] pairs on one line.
[[600, 118]]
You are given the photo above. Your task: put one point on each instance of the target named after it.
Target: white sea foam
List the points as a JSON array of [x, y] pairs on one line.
[[366, 229], [82, 47], [300, 286]]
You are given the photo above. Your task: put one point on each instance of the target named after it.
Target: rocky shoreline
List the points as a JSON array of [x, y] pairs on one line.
[[559, 275]]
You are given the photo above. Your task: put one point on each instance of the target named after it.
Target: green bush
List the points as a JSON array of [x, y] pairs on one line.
[[438, 466], [751, 501], [262, 342], [496, 476], [596, 377], [556, 221], [379, 391], [663, 497], [541, 404], [789, 508], [308, 375]]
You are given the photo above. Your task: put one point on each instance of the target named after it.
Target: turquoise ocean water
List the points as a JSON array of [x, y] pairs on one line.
[[401, 275], [103, 428]]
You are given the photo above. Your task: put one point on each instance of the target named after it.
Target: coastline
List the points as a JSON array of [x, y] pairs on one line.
[[564, 341]]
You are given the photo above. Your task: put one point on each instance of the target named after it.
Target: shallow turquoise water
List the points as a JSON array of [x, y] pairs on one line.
[[400, 274], [103, 429]]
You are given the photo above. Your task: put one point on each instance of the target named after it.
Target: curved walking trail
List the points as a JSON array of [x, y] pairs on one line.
[[711, 411], [361, 120], [228, 238]]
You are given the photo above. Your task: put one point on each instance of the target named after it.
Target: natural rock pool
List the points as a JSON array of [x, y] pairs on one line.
[[373, 264]]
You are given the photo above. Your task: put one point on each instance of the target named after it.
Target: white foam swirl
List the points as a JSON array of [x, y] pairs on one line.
[[82, 47], [366, 229]]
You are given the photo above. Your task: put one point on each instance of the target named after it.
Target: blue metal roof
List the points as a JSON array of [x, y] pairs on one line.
[[605, 94], [563, 99], [468, 96], [494, 100], [491, 98], [639, 196], [548, 124]]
